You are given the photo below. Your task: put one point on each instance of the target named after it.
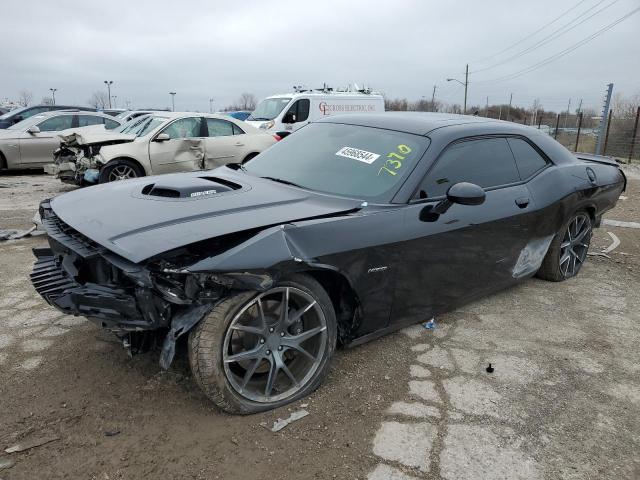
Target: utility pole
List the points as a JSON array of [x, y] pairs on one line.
[[603, 118], [115, 103], [465, 84], [433, 99], [565, 118], [509, 111], [211, 105], [579, 110], [173, 102], [108, 83], [500, 113], [53, 94], [486, 109]]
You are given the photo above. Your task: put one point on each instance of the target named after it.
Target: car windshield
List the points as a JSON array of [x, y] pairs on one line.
[[347, 160], [11, 113], [269, 108], [140, 126], [27, 122]]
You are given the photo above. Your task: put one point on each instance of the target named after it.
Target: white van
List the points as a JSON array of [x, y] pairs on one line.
[[284, 114]]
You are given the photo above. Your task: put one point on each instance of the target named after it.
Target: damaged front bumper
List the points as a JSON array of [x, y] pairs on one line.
[[72, 166], [79, 277]]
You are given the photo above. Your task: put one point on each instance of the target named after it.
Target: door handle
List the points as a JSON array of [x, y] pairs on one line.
[[239, 144], [194, 147], [522, 202]]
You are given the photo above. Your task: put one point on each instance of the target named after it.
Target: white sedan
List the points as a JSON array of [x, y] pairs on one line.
[[162, 142]]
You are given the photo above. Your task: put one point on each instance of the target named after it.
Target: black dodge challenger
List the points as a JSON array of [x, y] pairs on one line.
[[353, 227]]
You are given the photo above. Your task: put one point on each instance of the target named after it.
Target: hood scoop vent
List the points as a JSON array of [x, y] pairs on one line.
[[187, 187]]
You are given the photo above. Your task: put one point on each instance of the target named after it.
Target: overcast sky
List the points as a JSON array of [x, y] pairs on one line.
[[219, 49]]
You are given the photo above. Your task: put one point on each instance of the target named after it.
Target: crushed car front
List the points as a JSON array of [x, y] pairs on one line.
[[132, 273], [79, 159]]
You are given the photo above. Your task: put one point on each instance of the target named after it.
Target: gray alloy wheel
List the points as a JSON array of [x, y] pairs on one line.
[[574, 246], [568, 249], [121, 172], [256, 351], [270, 351], [122, 169]]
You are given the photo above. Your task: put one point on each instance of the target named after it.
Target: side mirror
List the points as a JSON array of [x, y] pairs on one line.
[[289, 117], [462, 193], [466, 193], [163, 137], [33, 129]]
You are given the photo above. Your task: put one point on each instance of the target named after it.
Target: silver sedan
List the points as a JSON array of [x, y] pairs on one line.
[[31, 142]]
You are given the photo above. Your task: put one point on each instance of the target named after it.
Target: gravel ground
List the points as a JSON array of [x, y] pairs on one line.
[[563, 400]]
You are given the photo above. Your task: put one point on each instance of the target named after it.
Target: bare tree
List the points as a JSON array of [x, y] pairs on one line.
[[99, 99], [247, 101], [625, 107], [25, 97]]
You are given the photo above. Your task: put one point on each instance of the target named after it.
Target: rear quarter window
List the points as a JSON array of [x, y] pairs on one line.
[[528, 160]]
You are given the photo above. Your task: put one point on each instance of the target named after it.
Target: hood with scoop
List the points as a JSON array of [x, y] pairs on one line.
[[138, 219]]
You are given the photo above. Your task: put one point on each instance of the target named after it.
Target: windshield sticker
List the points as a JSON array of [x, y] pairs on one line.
[[395, 160], [356, 154]]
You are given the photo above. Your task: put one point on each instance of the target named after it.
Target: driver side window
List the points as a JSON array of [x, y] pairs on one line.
[[487, 162], [184, 128], [300, 110]]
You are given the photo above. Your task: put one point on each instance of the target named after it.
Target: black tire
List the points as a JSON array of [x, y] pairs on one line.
[[112, 168], [556, 267], [249, 157], [208, 342], [3, 162]]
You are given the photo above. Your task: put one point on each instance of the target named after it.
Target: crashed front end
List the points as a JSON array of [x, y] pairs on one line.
[[77, 161], [79, 277]]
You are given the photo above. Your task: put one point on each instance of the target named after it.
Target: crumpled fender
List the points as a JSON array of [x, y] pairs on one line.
[[261, 252], [181, 323]]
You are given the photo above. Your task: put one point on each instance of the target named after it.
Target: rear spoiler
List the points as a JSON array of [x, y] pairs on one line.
[[589, 157]]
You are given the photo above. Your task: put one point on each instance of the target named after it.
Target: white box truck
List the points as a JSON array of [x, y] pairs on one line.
[[284, 114]]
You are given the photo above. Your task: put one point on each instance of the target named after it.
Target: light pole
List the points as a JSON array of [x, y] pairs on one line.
[[465, 84], [115, 103], [173, 101], [211, 105], [108, 83], [53, 94]]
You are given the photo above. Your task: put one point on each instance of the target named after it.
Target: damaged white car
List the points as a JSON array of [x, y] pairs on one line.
[[163, 142]]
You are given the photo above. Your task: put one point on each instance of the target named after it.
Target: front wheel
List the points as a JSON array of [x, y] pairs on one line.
[[568, 250], [119, 170], [255, 352]]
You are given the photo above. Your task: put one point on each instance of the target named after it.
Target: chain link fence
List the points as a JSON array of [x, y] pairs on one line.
[[579, 133]]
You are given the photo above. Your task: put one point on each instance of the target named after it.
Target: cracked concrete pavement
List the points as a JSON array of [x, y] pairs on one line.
[[563, 401]]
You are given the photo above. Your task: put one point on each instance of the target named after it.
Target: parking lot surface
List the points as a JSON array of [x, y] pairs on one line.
[[562, 401]]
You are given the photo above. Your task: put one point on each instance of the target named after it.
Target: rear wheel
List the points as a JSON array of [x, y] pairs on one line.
[[255, 352], [120, 170], [568, 250]]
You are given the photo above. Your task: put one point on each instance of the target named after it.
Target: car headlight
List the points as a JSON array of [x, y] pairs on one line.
[[267, 125]]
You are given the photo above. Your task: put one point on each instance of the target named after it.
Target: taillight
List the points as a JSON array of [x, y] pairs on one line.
[[277, 137]]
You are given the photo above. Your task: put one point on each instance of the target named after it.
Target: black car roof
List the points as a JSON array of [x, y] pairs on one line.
[[419, 123]]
